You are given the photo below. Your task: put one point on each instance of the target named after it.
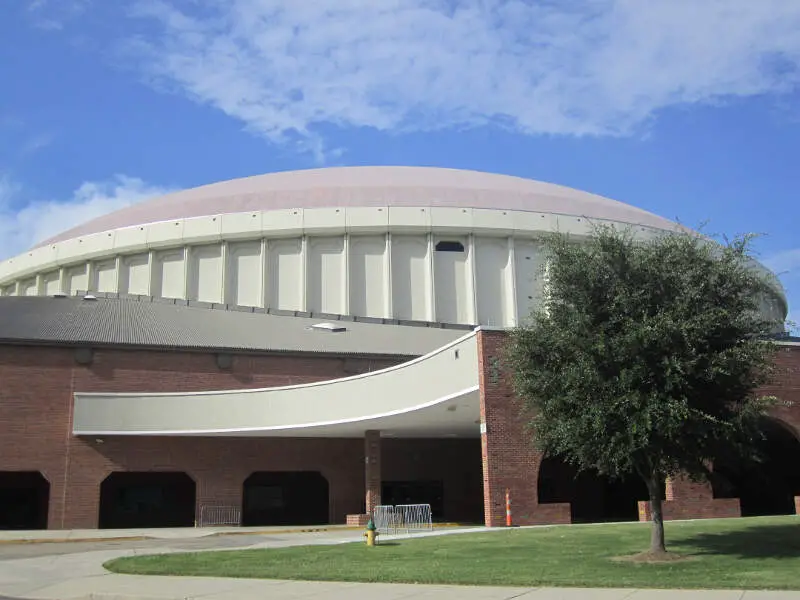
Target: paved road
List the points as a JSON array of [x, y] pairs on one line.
[[73, 570], [12, 551]]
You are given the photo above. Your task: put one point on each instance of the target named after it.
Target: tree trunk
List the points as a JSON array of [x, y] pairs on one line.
[[654, 488]]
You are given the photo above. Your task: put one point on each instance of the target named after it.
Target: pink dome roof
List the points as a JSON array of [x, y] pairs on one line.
[[368, 186]]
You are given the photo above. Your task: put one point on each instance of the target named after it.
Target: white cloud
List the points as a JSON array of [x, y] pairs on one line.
[[575, 67], [36, 143], [785, 264], [52, 15], [22, 227]]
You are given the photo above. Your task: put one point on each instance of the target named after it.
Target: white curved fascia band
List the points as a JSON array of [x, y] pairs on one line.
[[299, 426], [445, 374]]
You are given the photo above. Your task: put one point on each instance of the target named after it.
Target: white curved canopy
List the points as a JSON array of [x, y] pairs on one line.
[[435, 395]]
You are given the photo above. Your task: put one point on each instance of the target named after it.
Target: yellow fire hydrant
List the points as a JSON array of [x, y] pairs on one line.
[[371, 533]]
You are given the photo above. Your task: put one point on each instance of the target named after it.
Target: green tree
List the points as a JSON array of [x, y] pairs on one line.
[[645, 356]]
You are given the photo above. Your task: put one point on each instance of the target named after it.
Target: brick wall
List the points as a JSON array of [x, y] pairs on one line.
[[372, 471], [36, 407], [686, 499], [786, 387], [510, 461]]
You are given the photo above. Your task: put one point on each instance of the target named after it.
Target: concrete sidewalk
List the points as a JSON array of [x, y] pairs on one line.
[[80, 575], [124, 587]]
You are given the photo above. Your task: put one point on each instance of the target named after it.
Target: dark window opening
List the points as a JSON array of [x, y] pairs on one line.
[[593, 498], [445, 246], [140, 499], [285, 498], [766, 486], [24, 500]]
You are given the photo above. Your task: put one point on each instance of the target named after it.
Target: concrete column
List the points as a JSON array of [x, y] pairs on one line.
[[264, 273], [346, 274], [304, 273], [472, 278], [512, 316], [431, 316], [388, 310], [372, 469]]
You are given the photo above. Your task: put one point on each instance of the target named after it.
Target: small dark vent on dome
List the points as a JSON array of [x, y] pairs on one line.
[[445, 246], [332, 327]]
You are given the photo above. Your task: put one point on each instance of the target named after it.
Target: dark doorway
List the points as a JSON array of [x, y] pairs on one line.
[[766, 486], [593, 498], [132, 500], [445, 473], [285, 498], [24, 500], [415, 492]]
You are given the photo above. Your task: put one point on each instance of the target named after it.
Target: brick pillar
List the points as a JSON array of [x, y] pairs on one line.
[[510, 460], [217, 487], [75, 499], [372, 469], [797, 505]]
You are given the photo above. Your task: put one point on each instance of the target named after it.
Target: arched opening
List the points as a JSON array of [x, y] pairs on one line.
[[24, 500], [593, 498], [147, 499], [285, 498], [766, 486]]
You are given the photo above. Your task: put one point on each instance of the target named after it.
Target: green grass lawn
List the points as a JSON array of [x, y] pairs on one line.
[[754, 553]]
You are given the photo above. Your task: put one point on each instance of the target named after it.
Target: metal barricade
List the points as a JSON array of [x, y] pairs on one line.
[[414, 517], [385, 519], [402, 519], [217, 515]]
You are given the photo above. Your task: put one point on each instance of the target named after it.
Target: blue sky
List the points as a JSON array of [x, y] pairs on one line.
[[686, 108]]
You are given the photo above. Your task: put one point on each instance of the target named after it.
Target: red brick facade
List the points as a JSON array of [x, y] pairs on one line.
[[510, 462], [687, 499], [36, 405], [372, 470]]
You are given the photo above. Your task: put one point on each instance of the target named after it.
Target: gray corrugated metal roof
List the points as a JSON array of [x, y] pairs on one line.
[[128, 322]]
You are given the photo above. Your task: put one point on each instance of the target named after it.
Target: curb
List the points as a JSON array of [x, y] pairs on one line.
[[140, 538]]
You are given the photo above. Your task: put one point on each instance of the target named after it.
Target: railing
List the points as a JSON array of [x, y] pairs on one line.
[[403, 519], [215, 515]]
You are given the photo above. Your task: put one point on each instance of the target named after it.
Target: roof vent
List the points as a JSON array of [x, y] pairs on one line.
[[59, 295], [332, 327], [89, 297]]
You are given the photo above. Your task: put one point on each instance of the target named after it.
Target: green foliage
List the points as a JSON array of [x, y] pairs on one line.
[[646, 354]]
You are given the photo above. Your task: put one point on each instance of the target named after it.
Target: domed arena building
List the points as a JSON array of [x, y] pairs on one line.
[[298, 348]]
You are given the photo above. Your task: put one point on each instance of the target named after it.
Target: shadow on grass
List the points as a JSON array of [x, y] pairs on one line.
[[763, 541]]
